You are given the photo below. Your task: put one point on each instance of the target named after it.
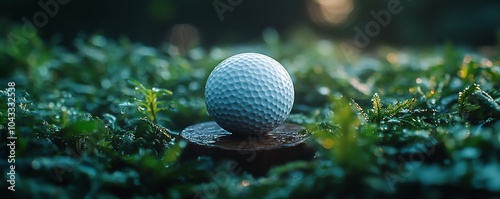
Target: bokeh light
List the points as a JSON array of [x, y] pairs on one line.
[[329, 12]]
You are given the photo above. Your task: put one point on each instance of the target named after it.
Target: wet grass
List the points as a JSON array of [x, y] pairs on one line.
[[101, 120]]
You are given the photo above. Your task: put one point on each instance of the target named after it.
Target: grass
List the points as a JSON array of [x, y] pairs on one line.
[[100, 120]]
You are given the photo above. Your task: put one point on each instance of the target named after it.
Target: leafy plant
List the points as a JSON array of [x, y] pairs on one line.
[[346, 141], [477, 105], [150, 103]]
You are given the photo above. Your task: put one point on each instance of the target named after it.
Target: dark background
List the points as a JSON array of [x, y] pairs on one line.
[[422, 22]]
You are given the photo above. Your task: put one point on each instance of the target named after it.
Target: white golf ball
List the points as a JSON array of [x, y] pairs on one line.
[[249, 93]]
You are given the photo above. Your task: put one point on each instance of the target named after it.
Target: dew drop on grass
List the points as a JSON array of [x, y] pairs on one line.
[[383, 127], [324, 90]]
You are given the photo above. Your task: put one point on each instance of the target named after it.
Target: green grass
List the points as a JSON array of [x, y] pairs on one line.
[[101, 120]]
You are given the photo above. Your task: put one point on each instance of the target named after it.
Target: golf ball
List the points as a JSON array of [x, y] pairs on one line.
[[249, 94]]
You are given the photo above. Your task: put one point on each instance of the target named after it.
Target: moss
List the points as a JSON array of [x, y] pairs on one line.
[[424, 124]]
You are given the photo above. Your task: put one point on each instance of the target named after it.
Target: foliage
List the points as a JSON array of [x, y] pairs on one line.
[[403, 123], [150, 105]]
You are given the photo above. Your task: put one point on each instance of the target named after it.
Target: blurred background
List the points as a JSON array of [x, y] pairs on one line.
[[207, 23]]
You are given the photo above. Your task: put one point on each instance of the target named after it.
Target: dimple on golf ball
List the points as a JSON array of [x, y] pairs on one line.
[[249, 93]]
